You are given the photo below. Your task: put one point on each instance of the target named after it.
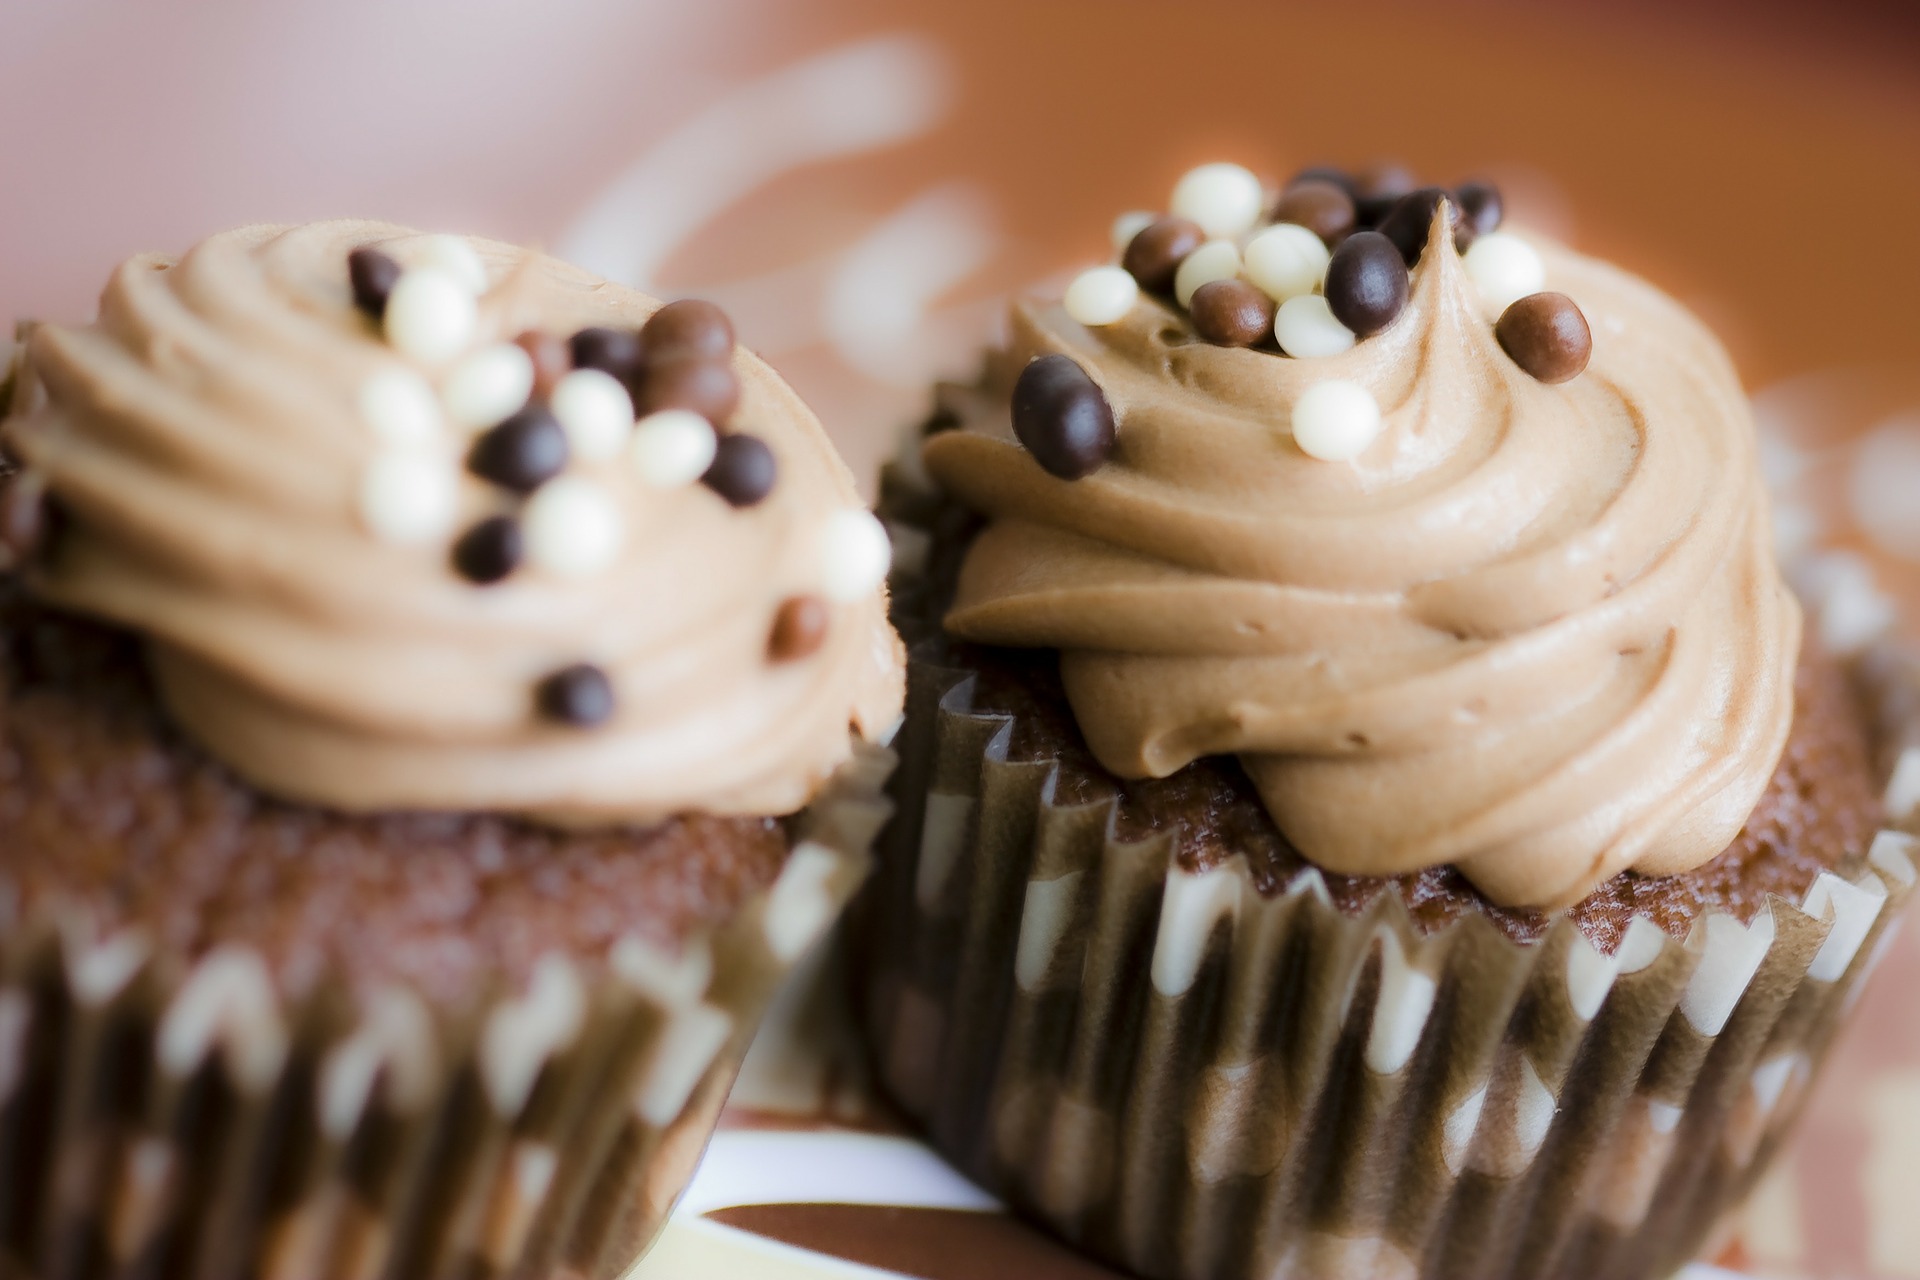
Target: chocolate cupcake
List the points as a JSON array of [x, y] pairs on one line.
[[415, 780], [1366, 807]]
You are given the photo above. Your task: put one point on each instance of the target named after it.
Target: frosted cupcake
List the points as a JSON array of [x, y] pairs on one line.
[[1367, 808], [438, 688]]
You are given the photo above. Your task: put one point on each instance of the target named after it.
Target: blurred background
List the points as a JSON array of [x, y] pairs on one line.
[[861, 183]]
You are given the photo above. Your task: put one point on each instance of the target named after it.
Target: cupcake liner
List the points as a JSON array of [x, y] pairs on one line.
[[1190, 1079], [166, 1120]]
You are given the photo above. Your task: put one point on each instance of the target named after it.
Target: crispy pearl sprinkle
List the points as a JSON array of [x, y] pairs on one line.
[[799, 628], [1286, 261], [1154, 255], [1127, 226], [408, 498], [1224, 199], [1214, 260], [743, 470], [573, 528], [400, 407], [489, 551], [1505, 269], [1546, 334], [372, 275], [855, 555], [1232, 313], [522, 453], [1062, 417], [430, 316], [1101, 296], [595, 411], [458, 258], [1305, 328], [1367, 283], [487, 386], [673, 448], [1335, 420], [688, 327], [579, 695]]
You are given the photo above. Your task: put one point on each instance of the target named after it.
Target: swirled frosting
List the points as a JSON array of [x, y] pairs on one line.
[[1535, 631], [205, 444]]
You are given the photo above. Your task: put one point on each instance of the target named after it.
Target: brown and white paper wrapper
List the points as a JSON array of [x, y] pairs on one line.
[[1190, 1079], [166, 1121]]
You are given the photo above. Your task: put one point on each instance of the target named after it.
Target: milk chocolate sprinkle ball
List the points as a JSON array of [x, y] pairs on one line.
[[743, 470], [579, 695], [1481, 211], [690, 326], [1411, 221], [1546, 334], [685, 381], [489, 551], [1063, 418], [799, 628], [1153, 256], [1323, 173], [614, 351], [1320, 206], [373, 275], [1232, 313], [1367, 283], [522, 453]]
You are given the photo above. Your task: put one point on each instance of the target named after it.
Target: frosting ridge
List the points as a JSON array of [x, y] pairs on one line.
[[206, 441], [1533, 630]]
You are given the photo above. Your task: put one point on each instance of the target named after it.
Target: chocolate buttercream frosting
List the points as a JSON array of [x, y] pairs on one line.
[[207, 443], [1533, 631]]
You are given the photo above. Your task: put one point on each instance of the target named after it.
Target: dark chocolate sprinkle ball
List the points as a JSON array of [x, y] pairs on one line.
[[743, 470], [799, 628], [489, 551], [1154, 255], [1481, 210], [614, 351], [688, 327], [1063, 418], [1546, 334], [1320, 207], [1367, 284], [373, 275], [1322, 173], [522, 453], [577, 695], [1377, 189], [1411, 221], [1231, 313], [552, 358], [706, 386]]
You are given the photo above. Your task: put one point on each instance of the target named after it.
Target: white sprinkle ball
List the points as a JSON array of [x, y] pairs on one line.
[[409, 496], [1128, 225], [596, 412], [1505, 269], [455, 256], [855, 554], [1102, 295], [1286, 261], [430, 316], [488, 386], [1214, 260], [673, 447], [1225, 199], [1335, 420], [400, 406], [1305, 327], [573, 528]]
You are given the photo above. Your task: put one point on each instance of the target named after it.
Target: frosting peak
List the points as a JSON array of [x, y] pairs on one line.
[[1532, 630], [269, 492]]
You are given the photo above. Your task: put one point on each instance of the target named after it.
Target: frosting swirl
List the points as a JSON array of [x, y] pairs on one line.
[[205, 442], [1534, 630]]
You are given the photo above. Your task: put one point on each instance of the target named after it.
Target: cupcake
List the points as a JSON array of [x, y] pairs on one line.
[[1366, 806], [415, 773]]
